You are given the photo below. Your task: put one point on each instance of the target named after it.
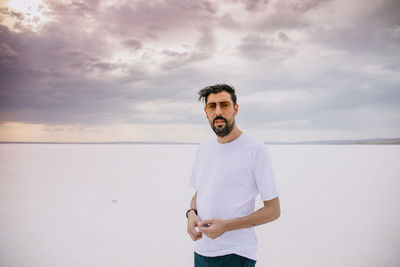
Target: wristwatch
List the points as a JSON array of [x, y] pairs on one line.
[[187, 213]]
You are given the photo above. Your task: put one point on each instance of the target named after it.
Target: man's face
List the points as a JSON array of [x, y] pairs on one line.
[[221, 113]]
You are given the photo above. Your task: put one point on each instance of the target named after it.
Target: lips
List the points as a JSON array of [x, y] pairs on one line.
[[220, 120]]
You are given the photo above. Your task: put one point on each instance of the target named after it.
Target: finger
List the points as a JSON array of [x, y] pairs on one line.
[[193, 233], [206, 223], [196, 236], [198, 233], [199, 236], [205, 227], [204, 230]]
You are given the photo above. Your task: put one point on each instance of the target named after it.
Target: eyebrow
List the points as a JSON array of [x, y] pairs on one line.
[[214, 102]]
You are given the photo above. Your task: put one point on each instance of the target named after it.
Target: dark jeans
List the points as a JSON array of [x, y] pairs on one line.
[[230, 260]]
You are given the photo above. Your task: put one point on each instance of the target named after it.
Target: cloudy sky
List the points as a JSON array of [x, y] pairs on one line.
[[95, 70]]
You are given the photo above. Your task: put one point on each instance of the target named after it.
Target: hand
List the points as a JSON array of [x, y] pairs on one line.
[[193, 222], [212, 228]]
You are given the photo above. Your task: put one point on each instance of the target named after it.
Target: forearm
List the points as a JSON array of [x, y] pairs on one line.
[[193, 203], [193, 207], [268, 213], [193, 220]]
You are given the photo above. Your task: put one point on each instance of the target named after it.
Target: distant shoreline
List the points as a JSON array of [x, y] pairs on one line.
[[372, 141]]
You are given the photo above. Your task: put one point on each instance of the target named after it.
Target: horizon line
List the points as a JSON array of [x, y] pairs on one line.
[[376, 141]]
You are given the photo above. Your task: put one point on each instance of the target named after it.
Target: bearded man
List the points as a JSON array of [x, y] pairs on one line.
[[229, 172]]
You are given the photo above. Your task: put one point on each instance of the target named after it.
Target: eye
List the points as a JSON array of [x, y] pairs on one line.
[[211, 106], [224, 104]]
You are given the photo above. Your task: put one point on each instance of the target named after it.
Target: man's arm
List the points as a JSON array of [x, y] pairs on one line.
[[213, 228], [193, 220]]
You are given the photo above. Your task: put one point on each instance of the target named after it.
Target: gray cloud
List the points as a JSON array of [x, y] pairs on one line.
[[6, 51], [132, 43], [151, 20], [256, 47], [95, 64], [207, 39], [283, 37], [291, 15], [375, 31], [252, 5]]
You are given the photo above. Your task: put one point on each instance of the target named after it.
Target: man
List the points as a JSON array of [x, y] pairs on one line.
[[228, 174]]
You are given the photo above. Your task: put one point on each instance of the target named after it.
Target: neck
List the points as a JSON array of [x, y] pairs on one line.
[[235, 133]]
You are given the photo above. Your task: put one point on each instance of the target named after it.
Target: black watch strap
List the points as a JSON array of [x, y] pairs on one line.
[[187, 213]]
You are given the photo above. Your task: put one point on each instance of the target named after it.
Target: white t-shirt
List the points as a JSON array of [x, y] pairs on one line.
[[227, 178]]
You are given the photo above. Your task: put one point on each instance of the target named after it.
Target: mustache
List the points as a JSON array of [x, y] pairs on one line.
[[220, 118]]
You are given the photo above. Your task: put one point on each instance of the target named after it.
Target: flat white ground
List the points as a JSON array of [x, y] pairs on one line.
[[124, 205]]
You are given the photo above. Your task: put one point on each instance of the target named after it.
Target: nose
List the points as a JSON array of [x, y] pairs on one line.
[[218, 110]]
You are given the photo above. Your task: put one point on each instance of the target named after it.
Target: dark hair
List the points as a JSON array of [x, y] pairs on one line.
[[215, 89]]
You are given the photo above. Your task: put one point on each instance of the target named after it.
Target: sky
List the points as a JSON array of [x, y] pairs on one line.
[[106, 71]]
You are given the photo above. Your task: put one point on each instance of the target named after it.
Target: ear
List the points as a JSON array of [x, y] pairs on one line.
[[236, 109]]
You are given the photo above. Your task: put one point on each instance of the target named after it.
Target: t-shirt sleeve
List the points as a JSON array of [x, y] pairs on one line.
[[263, 174]]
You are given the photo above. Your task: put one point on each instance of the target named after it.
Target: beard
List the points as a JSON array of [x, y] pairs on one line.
[[222, 131]]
